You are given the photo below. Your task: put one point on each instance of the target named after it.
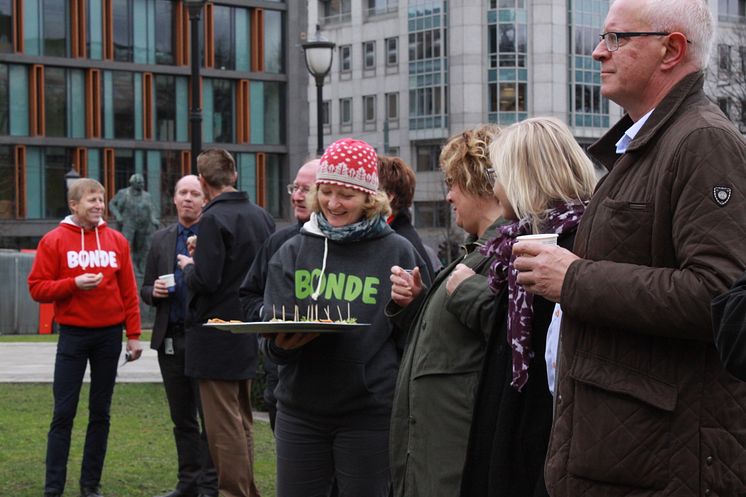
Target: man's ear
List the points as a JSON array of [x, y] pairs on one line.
[[676, 46]]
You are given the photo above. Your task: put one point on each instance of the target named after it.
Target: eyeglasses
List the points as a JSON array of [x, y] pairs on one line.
[[293, 187], [612, 37]]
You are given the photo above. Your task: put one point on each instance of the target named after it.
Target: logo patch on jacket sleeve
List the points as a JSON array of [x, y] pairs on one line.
[[721, 194]]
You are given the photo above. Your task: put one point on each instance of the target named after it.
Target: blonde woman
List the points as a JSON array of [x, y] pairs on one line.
[[449, 325], [335, 390], [543, 181]]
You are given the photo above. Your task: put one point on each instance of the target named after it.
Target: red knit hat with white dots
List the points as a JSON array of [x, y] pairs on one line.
[[349, 163]]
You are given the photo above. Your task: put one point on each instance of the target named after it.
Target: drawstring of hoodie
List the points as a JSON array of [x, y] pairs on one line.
[[82, 239], [315, 294]]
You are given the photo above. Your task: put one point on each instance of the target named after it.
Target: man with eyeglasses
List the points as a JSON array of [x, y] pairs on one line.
[[251, 292], [644, 406]]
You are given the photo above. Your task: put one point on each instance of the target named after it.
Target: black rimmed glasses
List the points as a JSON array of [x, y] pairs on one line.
[[611, 38], [292, 188]]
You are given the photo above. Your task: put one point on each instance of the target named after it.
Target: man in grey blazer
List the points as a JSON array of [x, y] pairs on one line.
[[196, 473]]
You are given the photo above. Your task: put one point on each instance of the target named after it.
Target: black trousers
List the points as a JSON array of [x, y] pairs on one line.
[[76, 348], [196, 472]]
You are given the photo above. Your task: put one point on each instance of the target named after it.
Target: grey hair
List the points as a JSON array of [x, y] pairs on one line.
[[690, 17]]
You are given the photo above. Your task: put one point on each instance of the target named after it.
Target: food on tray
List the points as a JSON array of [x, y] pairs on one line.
[[218, 320], [312, 316]]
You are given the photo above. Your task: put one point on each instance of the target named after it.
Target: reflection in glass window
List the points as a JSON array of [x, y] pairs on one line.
[[431, 214], [124, 104], [427, 157], [55, 28], [345, 111], [123, 30], [274, 113], [164, 32], [170, 174], [345, 58], [165, 107], [7, 183], [4, 100], [55, 101], [369, 109], [273, 36], [225, 54], [222, 116], [369, 54], [392, 106], [392, 51], [326, 113], [57, 162], [124, 167], [6, 26]]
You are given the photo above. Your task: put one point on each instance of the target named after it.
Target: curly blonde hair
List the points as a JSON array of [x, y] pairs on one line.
[[465, 159]]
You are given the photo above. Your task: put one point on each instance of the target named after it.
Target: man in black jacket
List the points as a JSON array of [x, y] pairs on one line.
[[196, 473], [251, 292], [231, 232]]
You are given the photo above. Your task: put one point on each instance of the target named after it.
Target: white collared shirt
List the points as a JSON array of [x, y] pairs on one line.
[[629, 135]]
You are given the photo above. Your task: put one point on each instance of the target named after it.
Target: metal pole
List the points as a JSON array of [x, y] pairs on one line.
[[195, 115], [319, 117]]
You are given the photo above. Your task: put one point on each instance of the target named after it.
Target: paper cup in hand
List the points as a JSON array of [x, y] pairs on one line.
[[170, 282], [543, 238]]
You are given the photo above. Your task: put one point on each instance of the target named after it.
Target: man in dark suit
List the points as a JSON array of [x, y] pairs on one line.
[[196, 473], [232, 230]]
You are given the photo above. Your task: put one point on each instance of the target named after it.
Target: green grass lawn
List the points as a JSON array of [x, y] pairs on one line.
[[141, 459]]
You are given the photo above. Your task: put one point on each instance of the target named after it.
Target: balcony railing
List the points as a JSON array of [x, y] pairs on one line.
[[340, 18], [391, 7]]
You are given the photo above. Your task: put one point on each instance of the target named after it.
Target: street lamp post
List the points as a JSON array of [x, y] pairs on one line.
[[195, 114], [319, 53]]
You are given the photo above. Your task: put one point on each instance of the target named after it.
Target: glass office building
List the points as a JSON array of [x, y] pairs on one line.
[[102, 87]]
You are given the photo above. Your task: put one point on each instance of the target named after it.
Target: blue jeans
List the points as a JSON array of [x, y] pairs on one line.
[[313, 454], [77, 347]]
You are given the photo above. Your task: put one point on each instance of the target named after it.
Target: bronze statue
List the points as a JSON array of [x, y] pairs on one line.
[[132, 207]]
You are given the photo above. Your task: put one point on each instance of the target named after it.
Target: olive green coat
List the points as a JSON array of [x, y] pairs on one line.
[[438, 378]]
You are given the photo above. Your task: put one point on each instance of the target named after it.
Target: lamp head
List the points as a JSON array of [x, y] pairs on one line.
[[319, 54]]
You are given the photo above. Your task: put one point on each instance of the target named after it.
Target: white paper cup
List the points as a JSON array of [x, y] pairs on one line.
[[170, 282], [543, 238]]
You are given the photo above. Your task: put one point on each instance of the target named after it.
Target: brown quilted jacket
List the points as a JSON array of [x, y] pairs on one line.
[[644, 406]]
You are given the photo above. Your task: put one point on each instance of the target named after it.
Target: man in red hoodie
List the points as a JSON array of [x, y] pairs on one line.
[[84, 268]]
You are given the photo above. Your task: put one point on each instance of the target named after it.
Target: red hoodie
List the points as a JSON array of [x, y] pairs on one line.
[[69, 251]]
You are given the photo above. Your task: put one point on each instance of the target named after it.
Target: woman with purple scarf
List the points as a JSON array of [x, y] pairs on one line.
[[543, 180]]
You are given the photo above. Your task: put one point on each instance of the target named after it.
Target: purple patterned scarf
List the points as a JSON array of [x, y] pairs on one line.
[[563, 217]]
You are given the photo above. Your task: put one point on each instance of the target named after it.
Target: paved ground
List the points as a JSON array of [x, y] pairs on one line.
[[34, 363]]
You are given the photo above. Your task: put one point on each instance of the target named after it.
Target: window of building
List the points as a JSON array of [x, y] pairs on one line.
[[369, 55], [428, 66], [369, 112], [427, 156], [732, 10], [335, 11], [124, 104], [380, 7], [4, 100], [345, 58], [345, 114], [7, 183], [55, 24], [165, 107], [123, 27], [56, 162], [431, 214], [170, 172], [392, 106], [392, 51], [274, 113], [164, 32], [6, 26], [724, 58], [225, 54], [222, 119], [723, 104], [273, 44], [124, 167], [55, 101]]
